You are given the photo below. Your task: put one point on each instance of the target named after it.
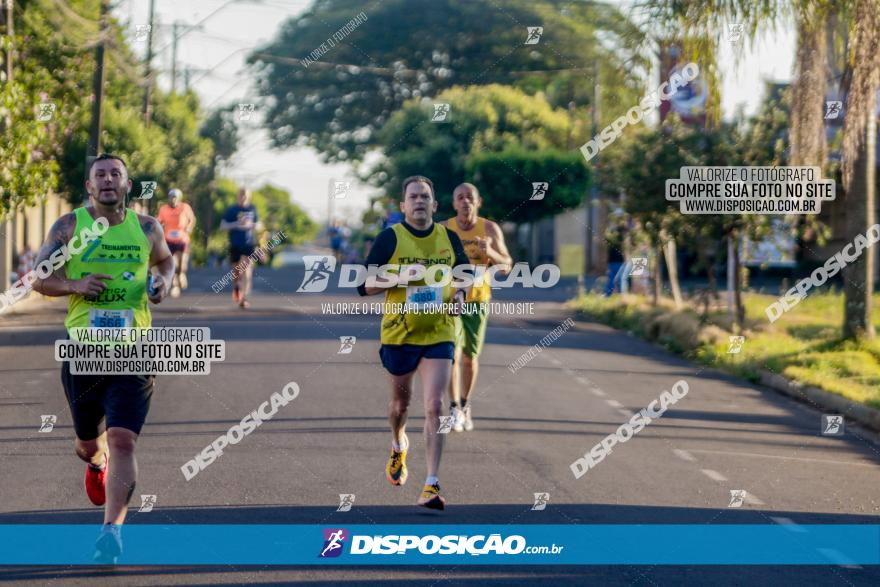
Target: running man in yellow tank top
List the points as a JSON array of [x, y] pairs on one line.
[[107, 282], [484, 244], [418, 331]]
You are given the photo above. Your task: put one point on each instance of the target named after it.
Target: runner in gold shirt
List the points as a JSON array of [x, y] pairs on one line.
[[418, 330], [484, 244]]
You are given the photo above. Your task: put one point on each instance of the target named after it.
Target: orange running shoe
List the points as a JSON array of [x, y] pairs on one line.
[[96, 481]]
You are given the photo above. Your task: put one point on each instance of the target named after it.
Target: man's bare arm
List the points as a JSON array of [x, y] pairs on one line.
[[57, 284], [160, 256], [497, 251]]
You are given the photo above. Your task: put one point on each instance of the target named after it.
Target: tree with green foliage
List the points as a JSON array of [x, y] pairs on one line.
[[482, 120], [507, 178], [701, 23], [413, 49], [638, 165]]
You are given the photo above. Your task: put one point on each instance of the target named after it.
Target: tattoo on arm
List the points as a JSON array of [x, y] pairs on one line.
[[147, 225], [59, 235]]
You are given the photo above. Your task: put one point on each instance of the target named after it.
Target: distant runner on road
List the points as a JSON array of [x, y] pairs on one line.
[[484, 244], [178, 221], [420, 340], [89, 277], [242, 223]]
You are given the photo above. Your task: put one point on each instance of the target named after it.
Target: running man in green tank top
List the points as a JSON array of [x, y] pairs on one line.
[[107, 284]]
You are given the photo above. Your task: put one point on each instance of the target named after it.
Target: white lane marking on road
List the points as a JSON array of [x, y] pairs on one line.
[[582, 380], [785, 458], [568, 371], [839, 558], [714, 475], [613, 403], [555, 361], [684, 455], [789, 524], [597, 392], [626, 413]]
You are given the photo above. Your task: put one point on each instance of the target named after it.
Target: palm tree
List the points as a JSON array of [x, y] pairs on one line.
[[701, 23], [861, 81]]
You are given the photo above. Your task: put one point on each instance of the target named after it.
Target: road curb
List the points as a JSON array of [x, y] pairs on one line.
[[825, 400]]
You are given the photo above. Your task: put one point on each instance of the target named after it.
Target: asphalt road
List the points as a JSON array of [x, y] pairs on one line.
[[724, 435]]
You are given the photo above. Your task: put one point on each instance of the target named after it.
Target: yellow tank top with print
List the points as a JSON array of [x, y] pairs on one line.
[[478, 293], [123, 252], [412, 315]]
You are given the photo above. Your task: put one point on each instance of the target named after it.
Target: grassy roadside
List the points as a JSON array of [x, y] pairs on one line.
[[803, 344]]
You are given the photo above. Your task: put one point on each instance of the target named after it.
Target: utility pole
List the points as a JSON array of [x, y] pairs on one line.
[[174, 56], [98, 87], [148, 106], [185, 28], [592, 216]]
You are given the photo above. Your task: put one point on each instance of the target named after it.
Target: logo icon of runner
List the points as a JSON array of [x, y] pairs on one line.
[[534, 33], [333, 540], [48, 422], [346, 500], [346, 344], [319, 269]]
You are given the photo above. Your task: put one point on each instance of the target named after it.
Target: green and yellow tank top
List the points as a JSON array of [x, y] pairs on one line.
[[481, 293], [123, 251], [420, 322]]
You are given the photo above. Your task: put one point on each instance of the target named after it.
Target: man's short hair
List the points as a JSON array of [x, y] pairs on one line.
[[105, 157], [174, 193], [415, 179], [470, 186]]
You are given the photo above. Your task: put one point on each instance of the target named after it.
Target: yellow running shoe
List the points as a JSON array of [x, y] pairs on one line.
[[430, 497], [395, 470]]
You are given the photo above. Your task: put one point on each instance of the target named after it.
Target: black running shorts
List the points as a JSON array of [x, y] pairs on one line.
[[400, 359], [123, 400]]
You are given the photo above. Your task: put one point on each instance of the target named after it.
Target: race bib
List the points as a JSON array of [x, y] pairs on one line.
[[111, 318], [175, 234], [424, 297]]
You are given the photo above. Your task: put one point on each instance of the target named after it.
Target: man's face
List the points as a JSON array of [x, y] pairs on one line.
[[465, 200], [108, 182], [173, 200], [244, 197], [418, 203]]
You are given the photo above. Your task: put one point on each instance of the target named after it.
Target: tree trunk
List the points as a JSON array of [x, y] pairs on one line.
[[807, 133], [672, 270], [739, 314], [731, 273], [858, 286], [859, 137], [658, 276]]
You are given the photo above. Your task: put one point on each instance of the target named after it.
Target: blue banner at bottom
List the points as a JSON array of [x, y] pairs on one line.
[[662, 544]]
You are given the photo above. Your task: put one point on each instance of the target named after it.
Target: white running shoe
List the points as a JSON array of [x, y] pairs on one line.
[[468, 423], [457, 419]]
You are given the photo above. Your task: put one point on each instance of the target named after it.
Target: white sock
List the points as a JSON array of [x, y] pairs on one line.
[[398, 447], [432, 481]]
